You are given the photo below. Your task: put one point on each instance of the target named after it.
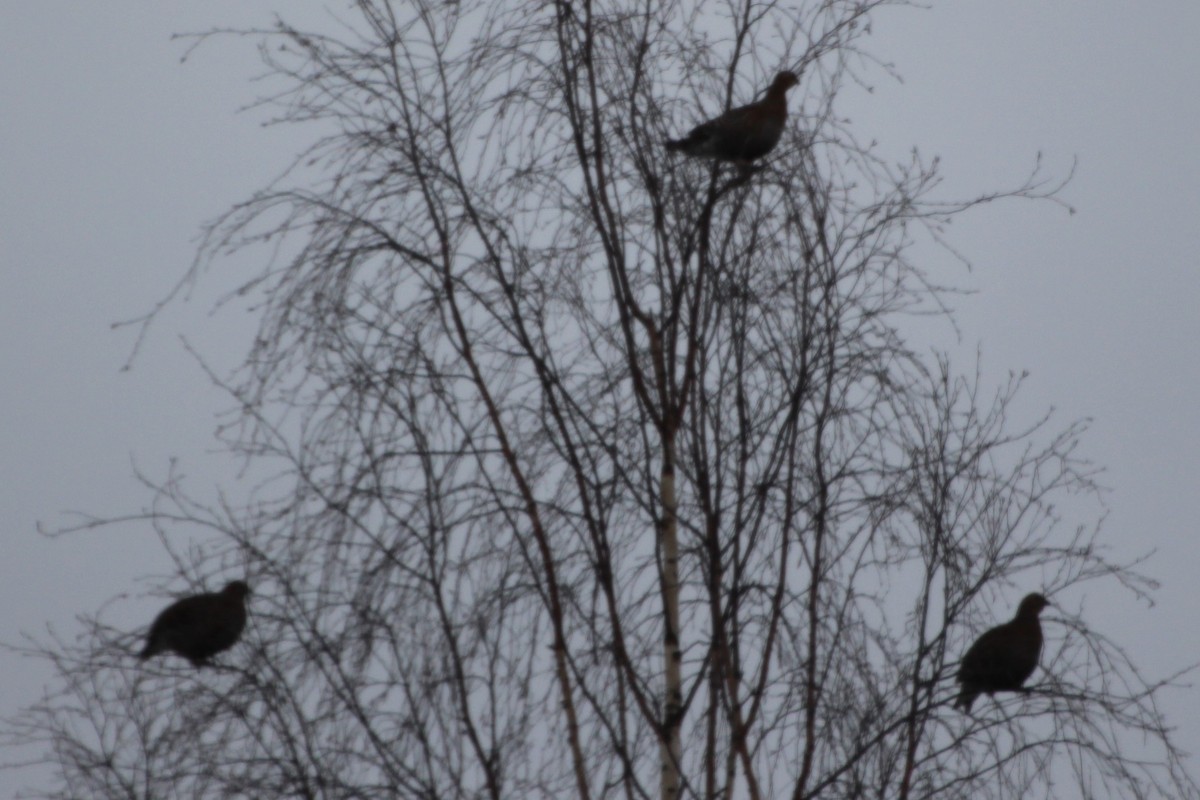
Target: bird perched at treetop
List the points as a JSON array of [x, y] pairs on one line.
[[741, 134], [1004, 657], [200, 626]]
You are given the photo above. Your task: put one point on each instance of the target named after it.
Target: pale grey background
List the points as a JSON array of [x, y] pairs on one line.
[[112, 154]]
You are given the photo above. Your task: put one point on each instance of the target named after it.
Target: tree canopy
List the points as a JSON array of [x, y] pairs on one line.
[[599, 472]]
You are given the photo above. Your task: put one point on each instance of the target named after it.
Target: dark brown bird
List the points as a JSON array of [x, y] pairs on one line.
[[200, 626], [1003, 658], [741, 134]]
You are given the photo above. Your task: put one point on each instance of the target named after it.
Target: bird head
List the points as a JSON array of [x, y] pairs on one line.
[[1032, 605], [784, 81], [236, 589]]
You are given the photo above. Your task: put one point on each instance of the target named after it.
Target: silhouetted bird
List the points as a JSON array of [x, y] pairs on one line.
[[1003, 658], [200, 626], [741, 134]]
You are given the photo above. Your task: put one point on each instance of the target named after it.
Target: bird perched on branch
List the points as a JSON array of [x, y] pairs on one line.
[[200, 626], [1004, 657], [741, 134]]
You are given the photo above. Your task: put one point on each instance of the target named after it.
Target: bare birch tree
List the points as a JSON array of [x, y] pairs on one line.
[[598, 472]]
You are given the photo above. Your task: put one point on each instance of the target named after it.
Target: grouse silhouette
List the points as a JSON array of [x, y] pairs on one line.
[[1004, 657], [200, 626], [741, 134]]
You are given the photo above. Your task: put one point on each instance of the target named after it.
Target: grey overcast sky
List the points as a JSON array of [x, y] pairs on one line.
[[112, 154]]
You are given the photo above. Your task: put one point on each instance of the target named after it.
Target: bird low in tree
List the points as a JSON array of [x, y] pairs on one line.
[[1004, 657], [200, 626], [741, 134]]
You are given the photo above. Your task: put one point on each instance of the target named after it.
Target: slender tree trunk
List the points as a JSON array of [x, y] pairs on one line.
[[670, 748]]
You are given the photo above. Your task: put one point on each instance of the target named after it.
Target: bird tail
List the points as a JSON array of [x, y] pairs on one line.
[[966, 698], [675, 144], [151, 649]]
